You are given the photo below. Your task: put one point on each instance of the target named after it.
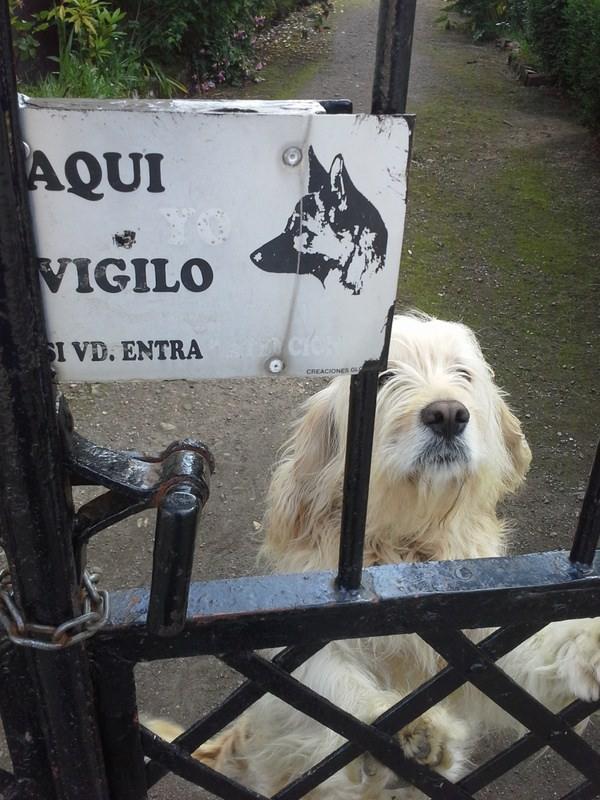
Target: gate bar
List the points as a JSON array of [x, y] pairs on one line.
[[586, 536], [35, 499], [118, 719], [392, 63], [20, 715], [390, 89], [401, 598]]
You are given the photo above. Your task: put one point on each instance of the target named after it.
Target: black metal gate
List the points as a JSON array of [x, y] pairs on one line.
[[67, 688]]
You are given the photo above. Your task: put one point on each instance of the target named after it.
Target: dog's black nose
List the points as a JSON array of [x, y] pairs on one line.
[[446, 418]]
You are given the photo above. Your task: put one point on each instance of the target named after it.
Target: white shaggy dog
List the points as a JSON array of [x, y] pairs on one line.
[[446, 450]]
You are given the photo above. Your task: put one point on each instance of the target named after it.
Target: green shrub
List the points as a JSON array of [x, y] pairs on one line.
[[98, 52], [78, 78], [484, 18], [580, 63], [212, 40], [565, 34], [517, 15], [135, 50], [24, 31], [546, 28]]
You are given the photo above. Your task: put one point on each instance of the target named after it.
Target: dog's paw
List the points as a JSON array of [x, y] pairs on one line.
[[226, 751], [429, 741], [436, 740], [577, 658]]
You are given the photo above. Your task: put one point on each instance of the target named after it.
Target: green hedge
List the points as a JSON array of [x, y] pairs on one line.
[[213, 39], [579, 64], [545, 30], [565, 34], [115, 48]]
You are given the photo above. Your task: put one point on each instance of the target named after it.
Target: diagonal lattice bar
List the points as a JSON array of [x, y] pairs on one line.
[[496, 645], [390, 722], [231, 708], [522, 749], [182, 764], [409, 708], [376, 741], [449, 679], [479, 670], [585, 791], [7, 782]]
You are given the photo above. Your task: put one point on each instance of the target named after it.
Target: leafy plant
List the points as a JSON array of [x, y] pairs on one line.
[[580, 64], [135, 48], [25, 40], [89, 28], [212, 41], [321, 13], [545, 29]]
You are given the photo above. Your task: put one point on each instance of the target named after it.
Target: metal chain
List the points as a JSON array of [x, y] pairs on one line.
[[96, 608]]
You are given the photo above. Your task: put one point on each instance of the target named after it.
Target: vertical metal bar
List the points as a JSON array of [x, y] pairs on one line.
[[390, 89], [586, 536], [35, 504], [173, 559], [392, 60], [359, 446], [24, 736], [118, 717], [8, 787]]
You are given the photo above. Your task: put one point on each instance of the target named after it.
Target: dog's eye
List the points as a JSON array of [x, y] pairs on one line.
[[465, 373], [384, 378]]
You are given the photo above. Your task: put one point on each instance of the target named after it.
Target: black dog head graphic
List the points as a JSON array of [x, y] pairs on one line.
[[333, 227]]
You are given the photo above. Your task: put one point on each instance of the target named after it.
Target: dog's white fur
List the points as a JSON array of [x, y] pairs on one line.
[[428, 501]]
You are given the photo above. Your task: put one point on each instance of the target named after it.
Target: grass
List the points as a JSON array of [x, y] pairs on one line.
[[121, 75]]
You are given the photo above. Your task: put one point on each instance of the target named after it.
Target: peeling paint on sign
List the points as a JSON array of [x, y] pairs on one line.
[[124, 239]]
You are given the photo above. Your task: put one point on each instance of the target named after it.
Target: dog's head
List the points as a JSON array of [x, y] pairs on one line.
[[445, 443], [440, 416]]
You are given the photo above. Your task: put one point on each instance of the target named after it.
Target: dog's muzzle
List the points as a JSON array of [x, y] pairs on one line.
[[446, 420]]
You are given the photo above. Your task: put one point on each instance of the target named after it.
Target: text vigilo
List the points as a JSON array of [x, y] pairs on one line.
[[115, 274]]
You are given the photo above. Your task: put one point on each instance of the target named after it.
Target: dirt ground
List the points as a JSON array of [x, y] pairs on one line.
[[502, 233]]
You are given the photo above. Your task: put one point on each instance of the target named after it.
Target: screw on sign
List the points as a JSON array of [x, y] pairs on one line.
[[292, 156], [276, 366]]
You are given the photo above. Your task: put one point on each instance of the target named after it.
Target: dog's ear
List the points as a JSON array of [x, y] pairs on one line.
[[337, 176], [516, 444], [304, 484]]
